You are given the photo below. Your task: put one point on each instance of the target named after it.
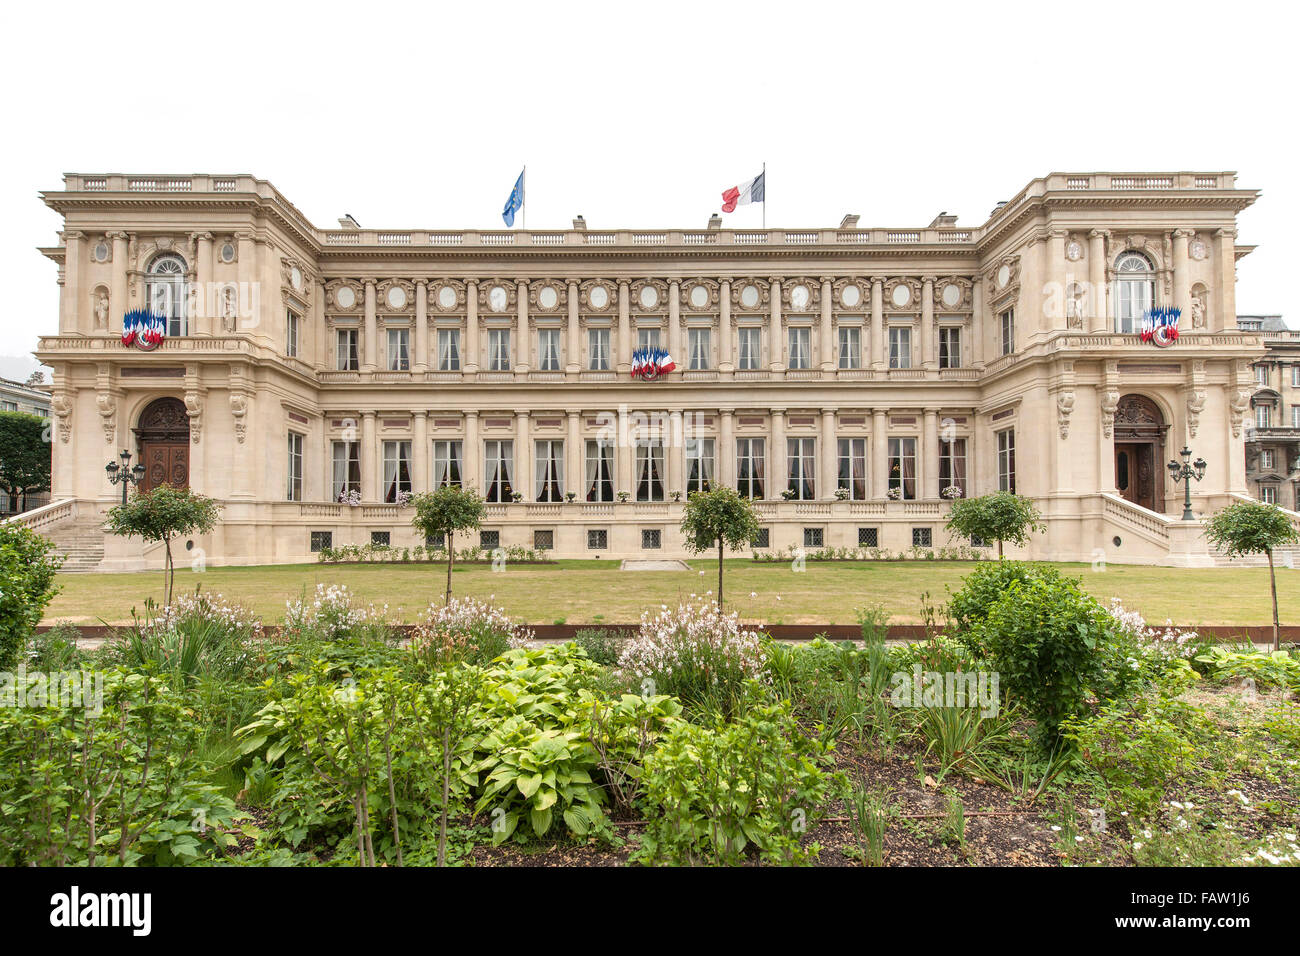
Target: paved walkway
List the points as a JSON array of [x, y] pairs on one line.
[[663, 565]]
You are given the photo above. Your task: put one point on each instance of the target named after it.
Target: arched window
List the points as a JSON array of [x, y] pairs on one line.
[[1135, 291], [165, 292]]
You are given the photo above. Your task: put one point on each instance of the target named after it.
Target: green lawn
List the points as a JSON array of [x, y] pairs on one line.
[[596, 591]]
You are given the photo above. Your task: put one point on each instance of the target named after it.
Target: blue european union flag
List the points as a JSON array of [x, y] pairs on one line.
[[515, 202]]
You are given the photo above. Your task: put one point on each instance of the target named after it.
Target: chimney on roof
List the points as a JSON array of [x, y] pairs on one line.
[[850, 221], [715, 222], [347, 222], [579, 224], [943, 220]]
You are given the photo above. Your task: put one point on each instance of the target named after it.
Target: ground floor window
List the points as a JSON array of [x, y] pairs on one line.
[[749, 467], [489, 540], [446, 464], [699, 464], [813, 537], [651, 539], [598, 476], [801, 464], [346, 474], [295, 467], [320, 540], [902, 468], [921, 538], [597, 539], [764, 539], [498, 464], [853, 467], [397, 469], [382, 538], [650, 471], [952, 468], [1007, 460], [544, 540], [548, 470], [868, 537]]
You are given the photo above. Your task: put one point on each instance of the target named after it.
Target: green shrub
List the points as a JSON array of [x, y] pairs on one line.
[[55, 649], [983, 587], [600, 644], [1266, 669], [27, 569]]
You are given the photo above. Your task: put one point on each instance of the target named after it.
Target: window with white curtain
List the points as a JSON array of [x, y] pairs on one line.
[[950, 347], [650, 470], [900, 346], [952, 466], [291, 333], [498, 468], [446, 464], [397, 469], [165, 293], [399, 353], [750, 467], [1135, 290], [902, 467], [548, 469], [598, 350], [449, 350], [598, 473], [1263, 416], [1007, 460], [800, 347], [1008, 331], [295, 467], [345, 350], [852, 472], [499, 350], [801, 460], [345, 476], [647, 338], [699, 464], [750, 340], [698, 342], [850, 346], [548, 350]]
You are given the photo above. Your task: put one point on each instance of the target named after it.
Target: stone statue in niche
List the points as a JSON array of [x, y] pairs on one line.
[[1198, 310], [228, 310], [101, 310]]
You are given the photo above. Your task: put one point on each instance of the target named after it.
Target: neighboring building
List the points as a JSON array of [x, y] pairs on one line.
[[1273, 431], [31, 400], [846, 377]]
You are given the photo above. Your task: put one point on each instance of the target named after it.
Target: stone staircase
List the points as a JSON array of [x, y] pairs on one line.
[[80, 540], [1288, 557]]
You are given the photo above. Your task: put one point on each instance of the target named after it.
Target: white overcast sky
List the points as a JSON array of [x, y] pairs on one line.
[[639, 115]]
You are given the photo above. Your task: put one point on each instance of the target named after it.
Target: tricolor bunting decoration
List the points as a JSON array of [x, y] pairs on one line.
[[753, 191], [649, 364], [143, 329], [1160, 325]]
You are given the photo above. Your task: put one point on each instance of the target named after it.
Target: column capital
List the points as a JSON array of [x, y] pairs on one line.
[[1098, 233], [421, 282], [421, 413], [1183, 233], [725, 412]]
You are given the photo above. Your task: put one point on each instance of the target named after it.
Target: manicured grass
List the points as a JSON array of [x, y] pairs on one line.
[[580, 592]]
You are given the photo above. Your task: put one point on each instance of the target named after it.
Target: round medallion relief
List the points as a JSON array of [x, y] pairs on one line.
[[101, 252], [749, 296], [1196, 249], [850, 296], [649, 297], [447, 297], [1074, 251], [699, 296], [548, 298], [598, 297], [498, 298], [799, 298], [901, 295], [228, 252], [345, 297], [951, 296], [396, 297], [1004, 275], [295, 278]]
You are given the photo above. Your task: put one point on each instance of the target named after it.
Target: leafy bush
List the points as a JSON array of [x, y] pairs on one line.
[[466, 629], [55, 649], [712, 792], [27, 569], [1266, 669], [984, 587], [600, 644]]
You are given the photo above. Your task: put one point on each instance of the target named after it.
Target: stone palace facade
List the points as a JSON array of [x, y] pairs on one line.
[[850, 379]]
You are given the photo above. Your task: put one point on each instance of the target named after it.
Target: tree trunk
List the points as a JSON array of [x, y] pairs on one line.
[[999, 549], [1272, 581], [451, 555], [169, 573], [719, 574]]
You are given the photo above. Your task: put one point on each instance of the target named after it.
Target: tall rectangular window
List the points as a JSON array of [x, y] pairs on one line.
[[1008, 322], [750, 467], [598, 350], [548, 469], [397, 469], [291, 334], [446, 464], [345, 350], [399, 353], [1268, 494], [295, 467], [449, 350], [800, 347], [548, 350], [1263, 416], [1261, 374], [1295, 416], [346, 464], [499, 350], [949, 347], [698, 342], [699, 464], [902, 467], [650, 470], [900, 346], [498, 469], [852, 475], [647, 338], [750, 340], [598, 473], [1266, 458], [952, 467], [801, 461], [1295, 376], [1007, 460], [850, 346]]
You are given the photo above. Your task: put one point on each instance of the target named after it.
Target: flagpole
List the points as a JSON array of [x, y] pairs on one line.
[[764, 194], [523, 197]]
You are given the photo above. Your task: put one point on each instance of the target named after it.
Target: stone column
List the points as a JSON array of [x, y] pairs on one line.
[[778, 476], [371, 476], [1054, 271], [1097, 281], [421, 363], [928, 356], [573, 452], [204, 303], [725, 331], [827, 328], [1182, 283], [725, 453], [421, 451], [523, 463], [675, 350], [979, 322], [471, 342], [624, 329], [879, 360], [523, 344], [471, 455], [371, 361], [117, 294], [320, 331], [1225, 316], [573, 360], [77, 316], [879, 454], [246, 275], [828, 479], [778, 331], [930, 455]]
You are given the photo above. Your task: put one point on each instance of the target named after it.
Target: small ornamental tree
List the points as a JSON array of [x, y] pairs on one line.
[[161, 514], [719, 517], [444, 512], [1001, 516], [1251, 527], [24, 455]]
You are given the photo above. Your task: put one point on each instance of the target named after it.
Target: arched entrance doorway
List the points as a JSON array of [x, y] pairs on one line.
[[163, 437], [1140, 452]]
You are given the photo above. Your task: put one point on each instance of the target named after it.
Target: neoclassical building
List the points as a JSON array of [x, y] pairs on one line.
[[850, 379], [1273, 431]]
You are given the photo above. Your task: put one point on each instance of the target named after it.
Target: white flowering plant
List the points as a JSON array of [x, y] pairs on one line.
[[1154, 643], [332, 615], [466, 629]]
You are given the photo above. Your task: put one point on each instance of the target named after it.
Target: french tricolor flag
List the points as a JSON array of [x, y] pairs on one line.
[[745, 193]]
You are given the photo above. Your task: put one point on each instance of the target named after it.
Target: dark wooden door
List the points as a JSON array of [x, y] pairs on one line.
[[1135, 475], [166, 462]]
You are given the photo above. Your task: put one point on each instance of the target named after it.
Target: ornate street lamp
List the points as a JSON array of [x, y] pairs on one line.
[[124, 474], [1185, 472]]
